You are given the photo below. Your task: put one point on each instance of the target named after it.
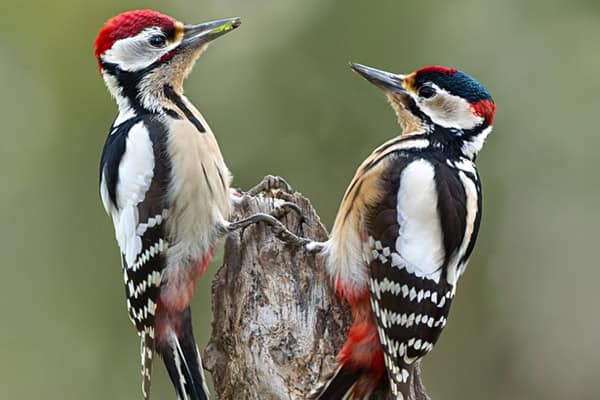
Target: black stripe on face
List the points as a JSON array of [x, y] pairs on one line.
[[412, 106], [129, 82], [178, 101]]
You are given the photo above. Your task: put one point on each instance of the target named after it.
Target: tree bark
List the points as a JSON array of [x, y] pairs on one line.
[[277, 323]]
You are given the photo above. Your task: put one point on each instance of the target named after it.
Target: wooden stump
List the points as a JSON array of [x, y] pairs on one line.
[[277, 323]]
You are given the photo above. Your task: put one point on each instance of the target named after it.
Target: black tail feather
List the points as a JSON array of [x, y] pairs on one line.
[[147, 351], [338, 386], [183, 362]]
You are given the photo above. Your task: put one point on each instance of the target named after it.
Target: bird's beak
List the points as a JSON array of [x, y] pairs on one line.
[[197, 35], [388, 82]]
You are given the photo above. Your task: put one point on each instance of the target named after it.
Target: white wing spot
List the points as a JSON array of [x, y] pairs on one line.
[[135, 176]]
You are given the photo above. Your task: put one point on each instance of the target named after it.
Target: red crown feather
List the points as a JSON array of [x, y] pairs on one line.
[[129, 24]]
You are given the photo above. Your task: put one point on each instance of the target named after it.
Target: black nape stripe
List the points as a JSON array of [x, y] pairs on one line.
[[129, 82], [175, 98]]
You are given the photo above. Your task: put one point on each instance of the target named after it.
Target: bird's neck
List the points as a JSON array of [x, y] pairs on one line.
[[462, 143], [473, 141], [140, 92]]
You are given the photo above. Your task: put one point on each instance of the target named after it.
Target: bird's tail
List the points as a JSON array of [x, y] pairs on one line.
[[361, 368], [182, 360], [147, 351], [400, 379], [338, 386], [356, 384]]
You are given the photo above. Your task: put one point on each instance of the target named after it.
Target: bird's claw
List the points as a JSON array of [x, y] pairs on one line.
[[278, 229], [284, 209], [271, 183]]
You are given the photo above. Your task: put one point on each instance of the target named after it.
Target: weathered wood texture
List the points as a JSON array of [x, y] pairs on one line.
[[277, 323]]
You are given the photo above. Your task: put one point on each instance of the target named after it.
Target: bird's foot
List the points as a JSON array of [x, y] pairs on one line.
[[283, 209], [279, 229], [271, 183]]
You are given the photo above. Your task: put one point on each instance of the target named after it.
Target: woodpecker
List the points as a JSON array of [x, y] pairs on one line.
[[406, 227], [163, 181]]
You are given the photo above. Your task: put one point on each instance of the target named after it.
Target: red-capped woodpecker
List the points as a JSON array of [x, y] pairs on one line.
[[163, 181], [406, 228]]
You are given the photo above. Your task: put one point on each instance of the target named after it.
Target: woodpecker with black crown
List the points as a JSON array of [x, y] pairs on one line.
[[163, 181], [406, 228]]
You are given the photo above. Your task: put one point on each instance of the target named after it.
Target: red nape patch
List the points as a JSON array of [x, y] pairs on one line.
[[129, 24], [437, 69], [485, 109]]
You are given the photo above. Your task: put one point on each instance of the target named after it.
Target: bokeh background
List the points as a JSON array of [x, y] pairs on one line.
[[280, 96]]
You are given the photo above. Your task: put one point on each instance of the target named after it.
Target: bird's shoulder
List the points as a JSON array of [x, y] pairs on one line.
[[424, 177], [133, 152]]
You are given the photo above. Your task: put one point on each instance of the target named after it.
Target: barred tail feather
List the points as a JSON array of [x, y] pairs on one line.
[[400, 377], [183, 363], [147, 352], [339, 386]]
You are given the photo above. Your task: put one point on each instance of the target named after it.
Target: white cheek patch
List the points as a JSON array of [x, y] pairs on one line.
[[450, 111], [135, 53]]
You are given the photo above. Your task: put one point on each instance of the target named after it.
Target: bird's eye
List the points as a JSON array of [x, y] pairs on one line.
[[158, 41], [427, 92]]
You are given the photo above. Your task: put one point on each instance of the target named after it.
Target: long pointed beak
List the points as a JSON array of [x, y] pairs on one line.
[[197, 35], [384, 80]]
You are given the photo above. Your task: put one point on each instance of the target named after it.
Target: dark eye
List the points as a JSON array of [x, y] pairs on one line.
[[158, 41], [427, 92]]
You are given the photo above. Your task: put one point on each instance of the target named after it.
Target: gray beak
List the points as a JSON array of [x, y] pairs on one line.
[[197, 35], [384, 80]]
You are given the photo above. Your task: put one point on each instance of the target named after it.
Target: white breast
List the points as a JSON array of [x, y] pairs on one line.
[[199, 192], [419, 244]]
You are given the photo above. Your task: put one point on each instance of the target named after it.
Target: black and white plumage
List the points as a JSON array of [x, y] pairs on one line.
[[406, 228], [421, 232], [135, 174], [164, 182]]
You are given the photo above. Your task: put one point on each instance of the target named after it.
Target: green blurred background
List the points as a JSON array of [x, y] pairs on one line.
[[281, 99]]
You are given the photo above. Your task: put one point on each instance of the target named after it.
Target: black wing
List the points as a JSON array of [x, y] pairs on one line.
[[140, 223], [411, 311]]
